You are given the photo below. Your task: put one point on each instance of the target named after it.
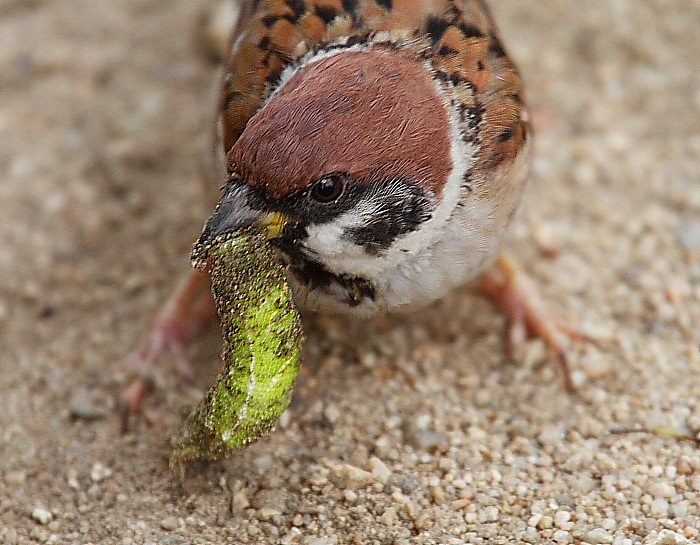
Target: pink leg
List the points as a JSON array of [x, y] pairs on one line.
[[176, 324], [508, 288]]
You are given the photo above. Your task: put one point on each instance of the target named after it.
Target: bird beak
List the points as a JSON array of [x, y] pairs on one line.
[[273, 224], [234, 214]]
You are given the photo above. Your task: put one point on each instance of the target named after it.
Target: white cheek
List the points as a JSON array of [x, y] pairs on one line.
[[326, 239], [338, 254]]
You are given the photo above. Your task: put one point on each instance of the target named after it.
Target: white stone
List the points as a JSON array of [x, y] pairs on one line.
[[349, 495], [379, 469], [99, 472], [169, 523], [389, 517], [662, 490], [660, 507], [42, 516], [489, 514], [561, 536], [598, 536], [668, 537], [561, 517]]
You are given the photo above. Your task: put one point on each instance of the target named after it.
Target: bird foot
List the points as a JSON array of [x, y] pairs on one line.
[[177, 323], [510, 290]]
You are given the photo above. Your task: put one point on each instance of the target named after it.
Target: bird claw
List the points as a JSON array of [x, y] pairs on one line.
[[131, 398], [508, 288]]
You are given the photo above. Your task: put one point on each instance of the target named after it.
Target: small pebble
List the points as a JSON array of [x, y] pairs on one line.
[[318, 479], [268, 514], [598, 536], [489, 514], [683, 467], [426, 440], [680, 510], [561, 536], [72, 479], [239, 501], [332, 413], [438, 494], [274, 499], [379, 469], [356, 477], [662, 490], [408, 485], [293, 536], [531, 536], [389, 516], [660, 506], [42, 516], [349, 495], [99, 472], [597, 366], [263, 464], [562, 520], [669, 537], [545, 522], [84, 406], [459, 504], [169, 523]]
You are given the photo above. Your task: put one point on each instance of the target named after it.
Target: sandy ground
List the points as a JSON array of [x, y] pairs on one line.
[[413, 430]]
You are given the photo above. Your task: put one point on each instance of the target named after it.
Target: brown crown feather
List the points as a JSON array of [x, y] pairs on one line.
[[371, 114]]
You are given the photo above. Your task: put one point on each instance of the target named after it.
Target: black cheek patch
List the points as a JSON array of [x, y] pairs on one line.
[[401, 207], [315, 276]]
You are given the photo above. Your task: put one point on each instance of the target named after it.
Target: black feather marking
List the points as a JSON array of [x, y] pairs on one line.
[[315, 276], [264, 43], [495, 47], [350, 6], [297, 6], [269, 20], [470, 31], [467, 182], [436, 27], [326, 13], [403, 208]]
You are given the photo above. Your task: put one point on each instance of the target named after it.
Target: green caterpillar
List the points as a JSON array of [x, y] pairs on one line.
[[262, 339]]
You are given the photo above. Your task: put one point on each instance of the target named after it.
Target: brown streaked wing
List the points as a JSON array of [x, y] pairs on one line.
[[469, 51]]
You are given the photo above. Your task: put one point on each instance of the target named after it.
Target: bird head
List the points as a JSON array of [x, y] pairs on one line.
[[349, 167]]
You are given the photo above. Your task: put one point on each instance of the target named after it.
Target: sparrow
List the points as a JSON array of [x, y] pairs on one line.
[[383, 146]]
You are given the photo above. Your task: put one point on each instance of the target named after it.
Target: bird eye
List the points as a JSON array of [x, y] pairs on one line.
[[328, 188]]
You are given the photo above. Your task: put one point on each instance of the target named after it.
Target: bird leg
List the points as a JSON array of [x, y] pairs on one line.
[[176, 324], [510, 290]]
